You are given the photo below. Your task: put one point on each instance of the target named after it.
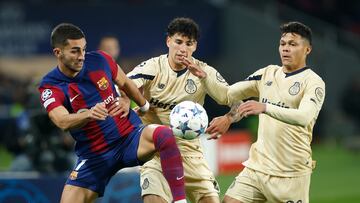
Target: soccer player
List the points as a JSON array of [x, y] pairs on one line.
[[165, 82], [290, 98], [79, 96], [110, 44]]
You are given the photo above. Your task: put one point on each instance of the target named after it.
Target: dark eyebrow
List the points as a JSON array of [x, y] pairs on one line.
[[77, 48]]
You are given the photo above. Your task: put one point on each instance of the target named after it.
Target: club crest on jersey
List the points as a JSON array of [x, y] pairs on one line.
[[73, 175], [294, 89], [190, 86], [103, 84]]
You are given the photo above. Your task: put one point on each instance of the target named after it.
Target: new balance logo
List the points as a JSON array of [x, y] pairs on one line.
[[72, 99], [268, 83]]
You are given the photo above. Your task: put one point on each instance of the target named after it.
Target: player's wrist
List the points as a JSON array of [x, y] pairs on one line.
[[145, 107]]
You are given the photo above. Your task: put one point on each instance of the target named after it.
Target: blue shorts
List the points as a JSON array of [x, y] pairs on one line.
[[94, 173]]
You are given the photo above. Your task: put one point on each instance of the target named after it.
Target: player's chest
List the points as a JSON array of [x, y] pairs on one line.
[[184, 86], [281, 91]]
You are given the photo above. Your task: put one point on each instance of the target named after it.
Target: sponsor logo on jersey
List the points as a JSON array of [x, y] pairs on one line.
[[279, 104], [268, 83], [161, 86], [103, 84], [294, 89], [190, 86], [157, 103]]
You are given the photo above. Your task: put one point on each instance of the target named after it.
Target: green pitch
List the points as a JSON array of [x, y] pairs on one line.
[[336, 178]]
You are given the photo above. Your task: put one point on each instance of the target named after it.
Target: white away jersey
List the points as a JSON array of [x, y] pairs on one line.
[[293, 101], [164, 88]]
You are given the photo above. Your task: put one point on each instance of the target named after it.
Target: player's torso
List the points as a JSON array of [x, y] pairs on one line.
[[167, 89], [280, 145]]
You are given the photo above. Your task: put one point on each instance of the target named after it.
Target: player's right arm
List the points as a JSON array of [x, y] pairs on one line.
[[52, 98], [61, 117], [143, 74]]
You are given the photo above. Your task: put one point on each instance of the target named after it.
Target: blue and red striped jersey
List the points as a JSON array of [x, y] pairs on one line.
[[92, 85]]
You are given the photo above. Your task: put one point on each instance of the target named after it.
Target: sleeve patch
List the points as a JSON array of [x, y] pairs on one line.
[[319, 92], [48, 102], [220, 78], [46, 94]]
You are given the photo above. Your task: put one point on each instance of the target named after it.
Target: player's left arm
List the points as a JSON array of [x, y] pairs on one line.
[[308, 109], [127, 85]]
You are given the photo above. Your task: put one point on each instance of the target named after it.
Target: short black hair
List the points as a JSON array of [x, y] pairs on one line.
[[64, 31], [184, 26], [297, 28]]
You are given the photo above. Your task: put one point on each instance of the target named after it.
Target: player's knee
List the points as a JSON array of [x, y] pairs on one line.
[[163, 136], [153, 198]]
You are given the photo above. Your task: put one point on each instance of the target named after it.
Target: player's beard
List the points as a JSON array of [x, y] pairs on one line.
[[71, 64]]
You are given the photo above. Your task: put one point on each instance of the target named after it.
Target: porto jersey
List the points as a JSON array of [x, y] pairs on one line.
[[93, 84]]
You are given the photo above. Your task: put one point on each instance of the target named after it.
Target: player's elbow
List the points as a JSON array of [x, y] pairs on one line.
[[302, 121]]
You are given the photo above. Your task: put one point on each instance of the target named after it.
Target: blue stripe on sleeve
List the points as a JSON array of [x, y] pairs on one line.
[[148, 77]]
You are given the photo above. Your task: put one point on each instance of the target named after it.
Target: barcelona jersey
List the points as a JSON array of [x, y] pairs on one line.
[[92, 85]]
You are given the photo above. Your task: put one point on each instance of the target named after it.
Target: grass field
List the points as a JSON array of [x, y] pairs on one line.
[[336, 178]]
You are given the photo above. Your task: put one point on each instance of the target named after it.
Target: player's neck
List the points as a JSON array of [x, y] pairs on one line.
[[176, 67], [290, 69]]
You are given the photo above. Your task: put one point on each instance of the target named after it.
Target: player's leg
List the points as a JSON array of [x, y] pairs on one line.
[[156, 138], [209, 200], [245, 189], [154, 187], [287, 189], [73, 193]]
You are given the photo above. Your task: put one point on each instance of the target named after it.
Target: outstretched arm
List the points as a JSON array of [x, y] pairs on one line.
[[221, 124]]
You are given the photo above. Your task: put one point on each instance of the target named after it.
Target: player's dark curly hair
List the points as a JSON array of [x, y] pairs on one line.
[[297, 28], [185, 26], [64, 31]]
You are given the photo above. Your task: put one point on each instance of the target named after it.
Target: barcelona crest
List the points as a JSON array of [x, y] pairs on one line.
[[103, 84]]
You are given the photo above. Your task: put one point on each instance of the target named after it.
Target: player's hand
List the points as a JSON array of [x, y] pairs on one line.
[[120, 106], [218, 126], [193, 68], [251, 108], [98, 112]]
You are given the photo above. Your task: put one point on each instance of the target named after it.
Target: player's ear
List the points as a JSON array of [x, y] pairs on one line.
[[56, 51], [168, 41], [308, 49]]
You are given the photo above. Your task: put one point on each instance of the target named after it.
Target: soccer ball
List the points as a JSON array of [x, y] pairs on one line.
[[188, 120]]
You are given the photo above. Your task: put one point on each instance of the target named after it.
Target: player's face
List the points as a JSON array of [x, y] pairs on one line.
[[293, 50], [72, 56], [179, 46]]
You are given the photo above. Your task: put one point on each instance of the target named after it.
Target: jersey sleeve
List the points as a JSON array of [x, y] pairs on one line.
[[230, 95], [308, 109], [143, 73], [51, 97], [218, 84], [112, 64]]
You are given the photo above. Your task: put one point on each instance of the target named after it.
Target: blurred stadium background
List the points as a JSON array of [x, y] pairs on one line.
[[238, 37]]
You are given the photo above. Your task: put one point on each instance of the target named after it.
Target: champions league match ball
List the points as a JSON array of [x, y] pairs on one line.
[[188, 120]]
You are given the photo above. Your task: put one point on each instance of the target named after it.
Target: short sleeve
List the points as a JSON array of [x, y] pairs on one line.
[[143, 73], [51, 97]]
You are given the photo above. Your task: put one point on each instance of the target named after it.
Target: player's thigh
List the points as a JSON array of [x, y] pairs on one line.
[[246, 188], [146, 149], [288, 189], [153, 184], [200, 183], [73, 193]]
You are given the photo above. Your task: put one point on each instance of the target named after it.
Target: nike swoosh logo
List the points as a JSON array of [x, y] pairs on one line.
[[72, 99], [179, 178]]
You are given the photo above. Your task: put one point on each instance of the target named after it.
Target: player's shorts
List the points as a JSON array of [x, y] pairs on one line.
[[199, 180], [255, 187], [94, 173]]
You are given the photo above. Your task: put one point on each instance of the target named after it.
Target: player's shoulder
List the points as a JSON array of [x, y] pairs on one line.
[[52, 77], [313, 76]]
